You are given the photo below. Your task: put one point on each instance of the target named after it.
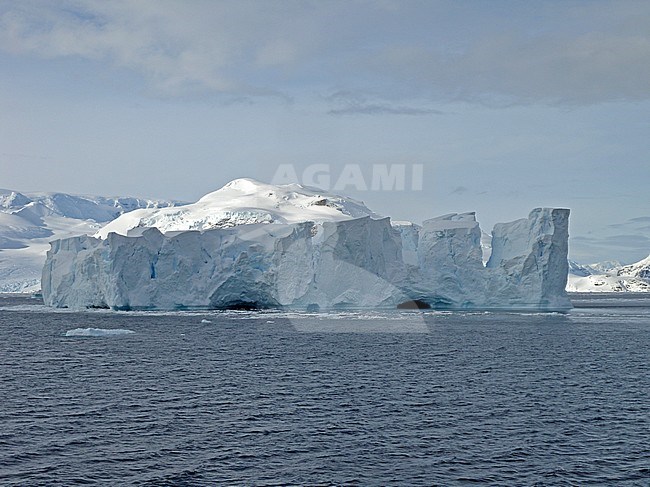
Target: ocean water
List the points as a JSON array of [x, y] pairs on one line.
[[378, 398]]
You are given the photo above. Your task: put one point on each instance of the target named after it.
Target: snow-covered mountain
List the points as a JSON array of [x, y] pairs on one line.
[[255, 245], [582, 270], [243, 202], [29, 221], [610, 276]]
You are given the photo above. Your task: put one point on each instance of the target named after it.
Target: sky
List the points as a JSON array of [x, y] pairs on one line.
[[496, 107]]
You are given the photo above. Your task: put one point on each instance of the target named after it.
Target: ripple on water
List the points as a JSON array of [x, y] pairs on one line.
[[304, 399]]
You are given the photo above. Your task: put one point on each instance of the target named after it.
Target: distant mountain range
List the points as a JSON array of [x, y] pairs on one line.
[[609, 276], [29, 221]]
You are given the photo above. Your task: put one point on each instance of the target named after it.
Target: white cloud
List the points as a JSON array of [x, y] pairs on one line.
[[575, 54], [348, 103]]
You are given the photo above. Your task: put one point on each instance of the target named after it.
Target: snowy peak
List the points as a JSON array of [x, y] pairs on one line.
[[29, 221], [609, 276], [242, 202], [244, 186], [97, 208], [641, 269], [290, 201], [12, 199], [578, 269], [604, 267]]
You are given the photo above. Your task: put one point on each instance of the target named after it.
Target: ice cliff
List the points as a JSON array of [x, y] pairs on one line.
[[29, 221], [252, 245]]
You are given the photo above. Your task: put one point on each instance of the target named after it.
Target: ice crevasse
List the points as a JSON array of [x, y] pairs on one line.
[[254, 245]]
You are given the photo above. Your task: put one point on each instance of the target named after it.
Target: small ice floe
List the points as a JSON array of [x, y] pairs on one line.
[[97, 332], [205, 321]]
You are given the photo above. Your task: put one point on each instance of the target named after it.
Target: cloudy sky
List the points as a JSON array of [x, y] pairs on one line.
[[506, 105]]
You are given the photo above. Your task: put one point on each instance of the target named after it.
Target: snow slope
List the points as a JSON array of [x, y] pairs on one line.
[[29, 221], [241, 202], [609, 277], [254, 245]]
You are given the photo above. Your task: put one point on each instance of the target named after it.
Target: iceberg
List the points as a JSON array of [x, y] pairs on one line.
[[28, 222], [251, 245], [97, 332]]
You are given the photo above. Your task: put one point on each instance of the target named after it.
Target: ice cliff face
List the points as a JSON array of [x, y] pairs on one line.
[[28, 222], [255, 245], [532, 254]]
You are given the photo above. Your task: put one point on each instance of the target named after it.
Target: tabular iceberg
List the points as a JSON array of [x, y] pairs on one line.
[[252, 245]]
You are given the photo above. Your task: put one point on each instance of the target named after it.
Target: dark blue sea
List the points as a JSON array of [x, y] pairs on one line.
[[351, 398]]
